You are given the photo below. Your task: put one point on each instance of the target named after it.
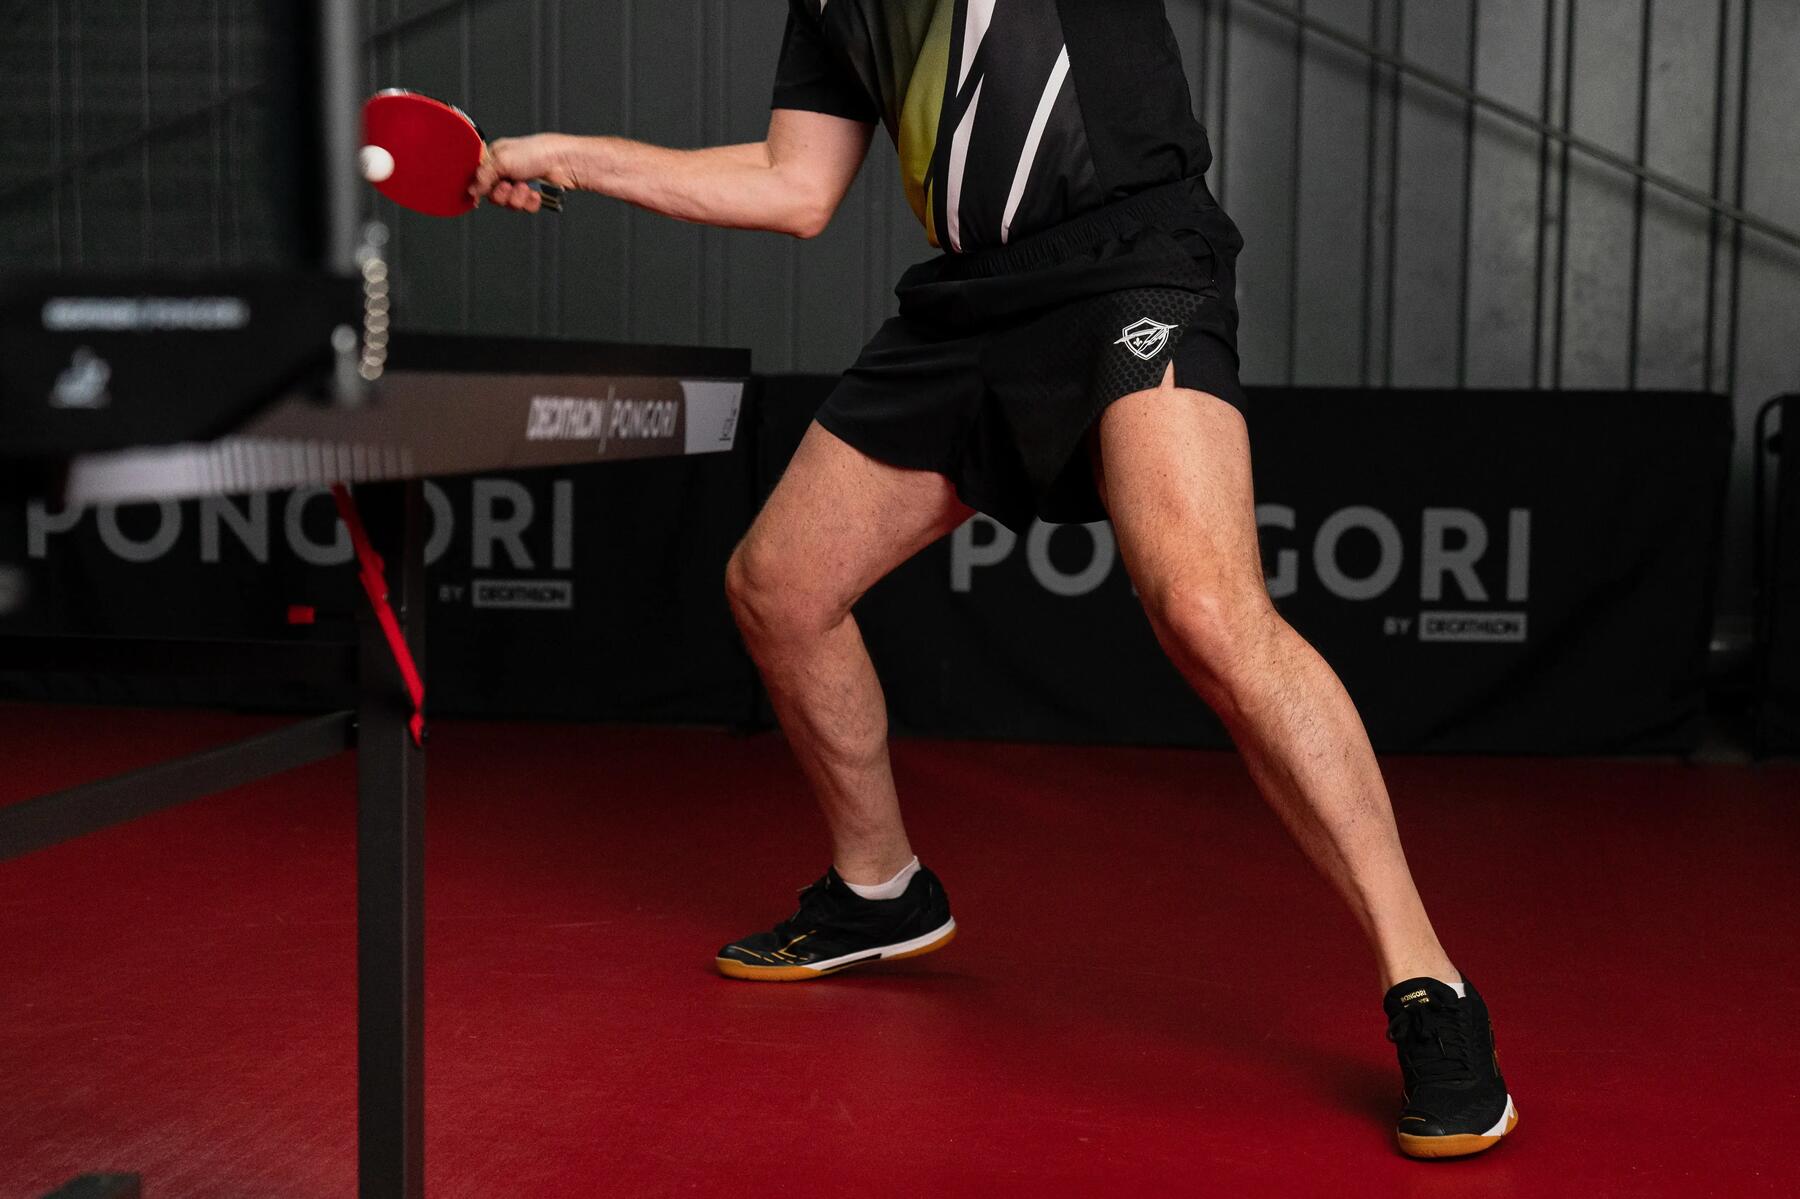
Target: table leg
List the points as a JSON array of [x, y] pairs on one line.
[[390, 855]]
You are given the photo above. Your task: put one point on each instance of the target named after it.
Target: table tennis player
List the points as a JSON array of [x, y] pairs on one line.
[[1069, 354]]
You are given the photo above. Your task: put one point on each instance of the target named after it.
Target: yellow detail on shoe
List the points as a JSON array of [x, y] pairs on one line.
[[753, 953], [1462, 1145], [732, 968]]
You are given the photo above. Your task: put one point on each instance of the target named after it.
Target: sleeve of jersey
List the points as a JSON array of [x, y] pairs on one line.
[[810, 77]]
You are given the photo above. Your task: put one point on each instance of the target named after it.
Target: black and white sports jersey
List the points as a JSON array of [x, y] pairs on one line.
[[1010, 115]]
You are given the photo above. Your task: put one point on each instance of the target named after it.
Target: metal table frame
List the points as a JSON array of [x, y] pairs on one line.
[[390, 828]]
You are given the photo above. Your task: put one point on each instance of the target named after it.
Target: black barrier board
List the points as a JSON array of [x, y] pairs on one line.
[[1488, 572], [1778, 709], [586, 592]]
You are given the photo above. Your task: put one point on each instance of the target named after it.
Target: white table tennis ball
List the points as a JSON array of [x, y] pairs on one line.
[[377, 163]]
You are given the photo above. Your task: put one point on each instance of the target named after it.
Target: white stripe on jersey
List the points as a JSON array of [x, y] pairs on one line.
[[981, 15], [1033, 140], [959, 159]]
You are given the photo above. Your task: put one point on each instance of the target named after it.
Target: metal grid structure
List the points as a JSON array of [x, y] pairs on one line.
[[149, 122], [1586, 186], [140, 141], [1555, 194], [1721, 204]]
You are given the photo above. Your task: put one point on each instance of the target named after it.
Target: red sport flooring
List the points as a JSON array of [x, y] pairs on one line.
[[1150, 992]]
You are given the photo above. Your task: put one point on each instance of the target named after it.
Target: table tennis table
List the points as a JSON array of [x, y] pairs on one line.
[[447, 405]]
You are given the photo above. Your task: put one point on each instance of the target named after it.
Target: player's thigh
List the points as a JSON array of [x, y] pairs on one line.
[[839, 520], [1174, 467]]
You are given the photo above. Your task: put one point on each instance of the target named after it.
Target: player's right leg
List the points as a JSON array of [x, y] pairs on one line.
[[837, 522]]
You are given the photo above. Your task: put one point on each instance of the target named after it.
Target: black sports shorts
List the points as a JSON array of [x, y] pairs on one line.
[[1001, 360]]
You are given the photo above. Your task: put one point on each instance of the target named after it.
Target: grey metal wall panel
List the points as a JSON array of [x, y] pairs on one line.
[[1381, 140], [1671, 351], [760, 267], [833, 278], [1596, 299], [714, 78], [546, 113], [430, 255], [34, 127], [1331, 198], [506, 267], [1392, 236], [666, 69], [594, 269], [1260, 186], [1504, 209], [1425, 344]]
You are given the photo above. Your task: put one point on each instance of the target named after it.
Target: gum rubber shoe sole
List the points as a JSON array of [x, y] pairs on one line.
[[1463, 1145], [929, 943]]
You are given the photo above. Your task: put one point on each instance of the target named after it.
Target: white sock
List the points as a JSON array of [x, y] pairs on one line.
[[894, 888], [1462, 992]]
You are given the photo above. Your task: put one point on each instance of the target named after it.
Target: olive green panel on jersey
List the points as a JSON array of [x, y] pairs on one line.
[[916, 130], [991, 78]]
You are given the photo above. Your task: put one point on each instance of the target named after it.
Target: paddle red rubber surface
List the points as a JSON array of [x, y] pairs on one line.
[[436, 150]]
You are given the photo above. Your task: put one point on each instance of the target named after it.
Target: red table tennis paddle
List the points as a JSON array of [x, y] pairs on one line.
[[422, 154]]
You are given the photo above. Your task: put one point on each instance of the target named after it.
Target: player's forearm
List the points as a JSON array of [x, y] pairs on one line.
[[739, 187]]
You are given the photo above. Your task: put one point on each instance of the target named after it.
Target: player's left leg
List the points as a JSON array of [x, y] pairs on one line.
[[1173, 467]]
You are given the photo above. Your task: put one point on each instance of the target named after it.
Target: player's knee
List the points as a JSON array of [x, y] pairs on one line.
[[768, 598], [1211, 628], [746, 586]]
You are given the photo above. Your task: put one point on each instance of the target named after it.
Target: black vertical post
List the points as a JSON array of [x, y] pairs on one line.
[[1472, 68], [1296, 165], [1717, 190], [1564, 177], [1545, 112], [1737, 198], [1641, 156], [1392, 304], [390, 864], [1370, 144]]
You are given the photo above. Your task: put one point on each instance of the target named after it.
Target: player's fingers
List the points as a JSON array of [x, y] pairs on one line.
[[502, 192], [533, 199], [487, 174]]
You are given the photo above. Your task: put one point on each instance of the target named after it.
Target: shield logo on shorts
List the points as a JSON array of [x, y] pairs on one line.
[[1146, 339]]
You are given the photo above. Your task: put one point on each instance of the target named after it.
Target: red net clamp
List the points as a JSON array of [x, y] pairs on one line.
[[374, 583]]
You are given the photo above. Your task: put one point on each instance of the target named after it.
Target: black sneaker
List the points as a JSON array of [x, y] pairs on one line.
[[1455, 1100], [836, 928]]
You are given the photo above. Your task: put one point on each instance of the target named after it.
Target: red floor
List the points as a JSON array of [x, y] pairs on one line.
[[1150, 992]]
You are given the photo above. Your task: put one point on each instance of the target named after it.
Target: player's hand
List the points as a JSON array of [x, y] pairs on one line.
[[509, 165]]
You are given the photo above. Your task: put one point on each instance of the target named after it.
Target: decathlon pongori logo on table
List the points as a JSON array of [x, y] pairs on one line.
[[584, 418]]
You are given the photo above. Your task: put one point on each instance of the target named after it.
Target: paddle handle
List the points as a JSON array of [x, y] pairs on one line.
[[551, 193]]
